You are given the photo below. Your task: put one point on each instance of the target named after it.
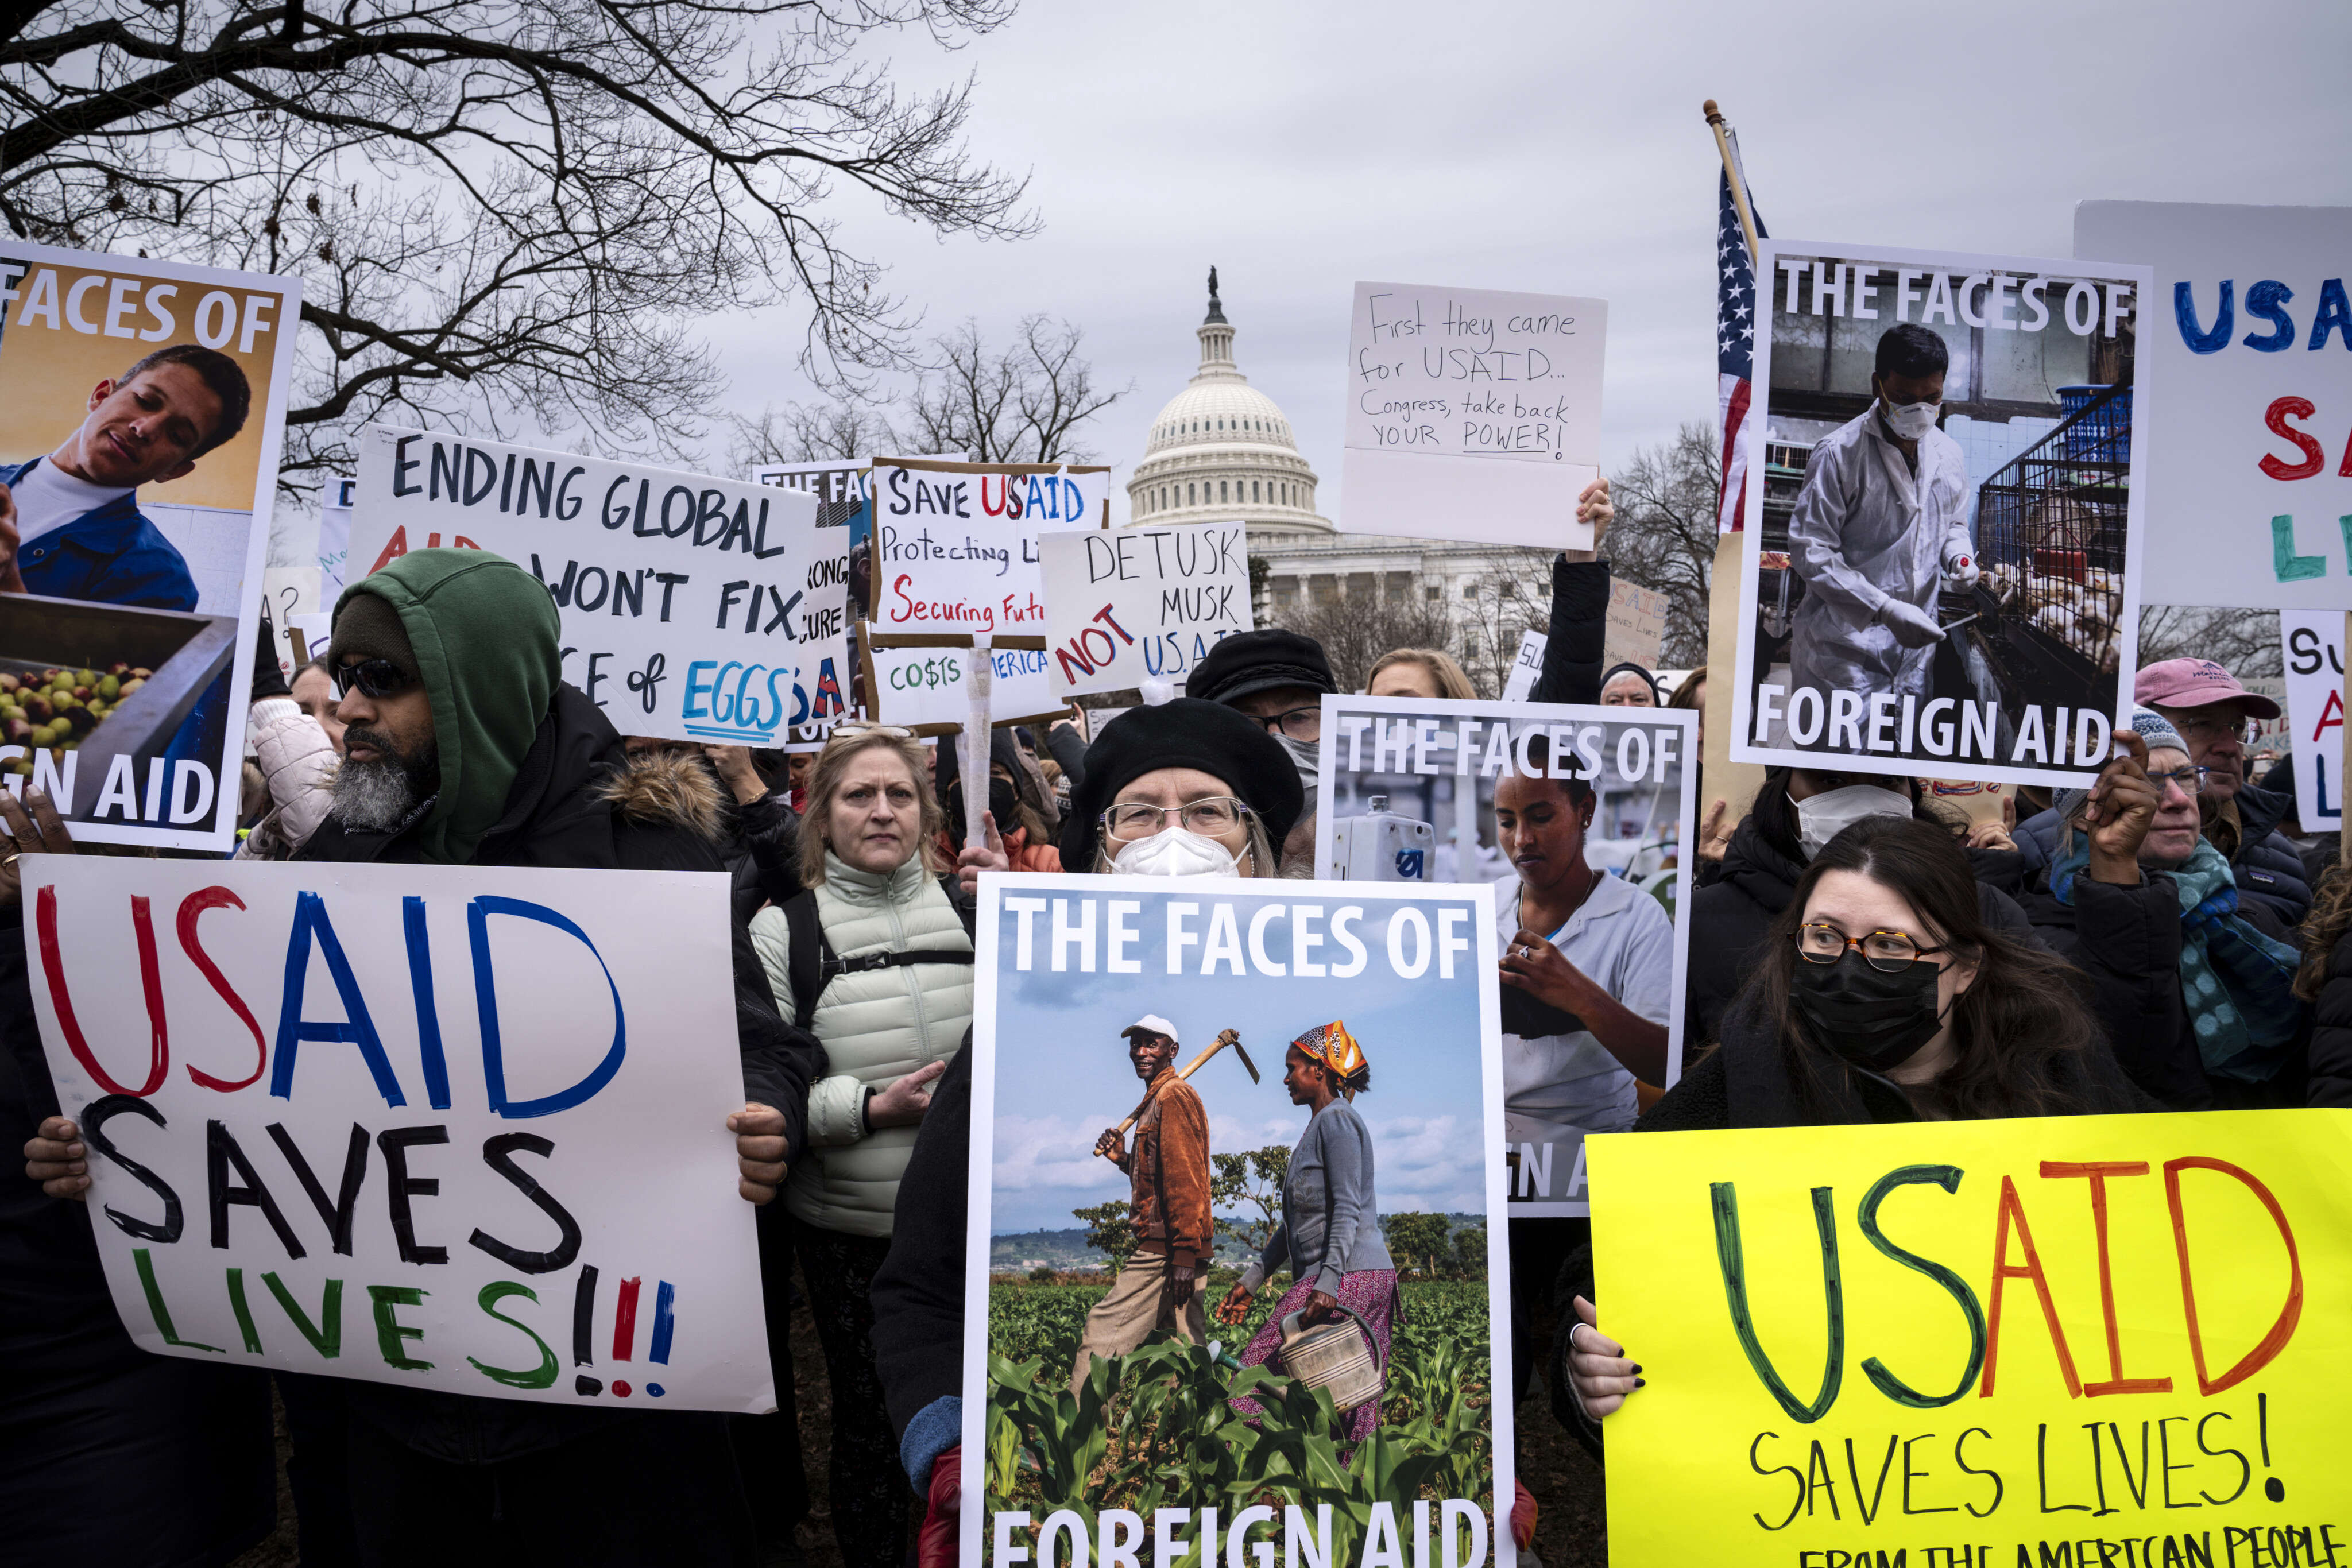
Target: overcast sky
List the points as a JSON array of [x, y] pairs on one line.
[[1557, 149]]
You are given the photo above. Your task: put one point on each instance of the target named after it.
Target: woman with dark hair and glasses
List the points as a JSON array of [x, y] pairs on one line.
[[1882, 996]]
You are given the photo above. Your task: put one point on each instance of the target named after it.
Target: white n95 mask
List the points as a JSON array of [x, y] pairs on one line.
[[1178, 852], [1822, 817], [1911, 420]]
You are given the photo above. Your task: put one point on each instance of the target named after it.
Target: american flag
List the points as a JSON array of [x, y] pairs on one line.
[[1736, 319]]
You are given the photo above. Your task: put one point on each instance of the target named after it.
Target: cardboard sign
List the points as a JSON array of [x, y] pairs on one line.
[[1412, 790], [1527, 667], [1067, 965], [1473, 414], [955, 545], [2246, 356], [125, 661], [1637, 625], [2069, 1340], [2313, 643], [388, 1123], [1128, 605], [1977, 617], [927, 690], [693, 608]]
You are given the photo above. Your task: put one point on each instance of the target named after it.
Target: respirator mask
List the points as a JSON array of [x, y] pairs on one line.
[[1911, 420], [1821, 818], [1177, 852]]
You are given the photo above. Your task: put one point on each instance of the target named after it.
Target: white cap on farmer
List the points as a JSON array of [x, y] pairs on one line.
[[1150, 1023]]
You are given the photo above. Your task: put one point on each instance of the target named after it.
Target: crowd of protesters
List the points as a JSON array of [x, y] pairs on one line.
[[2152, 942]]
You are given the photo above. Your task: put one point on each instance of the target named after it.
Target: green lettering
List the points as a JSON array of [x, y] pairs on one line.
[[327, 1337], [540, 1377], [390, 1331], [244, 1313], [1895, 1388], [155, 1307], [1729, 1258]]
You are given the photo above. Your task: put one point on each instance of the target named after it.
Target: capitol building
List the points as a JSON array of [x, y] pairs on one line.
[[1221, 451]]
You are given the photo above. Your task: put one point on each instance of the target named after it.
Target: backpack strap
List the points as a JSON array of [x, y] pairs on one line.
[[964, 906], [811, 963]]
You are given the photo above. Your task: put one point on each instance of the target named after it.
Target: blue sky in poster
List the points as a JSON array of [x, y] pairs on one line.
[[1063, 1074]]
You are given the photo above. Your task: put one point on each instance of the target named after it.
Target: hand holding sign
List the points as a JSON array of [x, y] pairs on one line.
[[1597, 1365], [56, 1158]]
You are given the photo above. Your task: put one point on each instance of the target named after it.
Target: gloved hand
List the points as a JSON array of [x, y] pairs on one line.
[[269, 680], [1913, 627], [935, 1546], [1961, 567]]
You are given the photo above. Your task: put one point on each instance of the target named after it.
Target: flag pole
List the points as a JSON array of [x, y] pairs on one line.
[[1722, 129]]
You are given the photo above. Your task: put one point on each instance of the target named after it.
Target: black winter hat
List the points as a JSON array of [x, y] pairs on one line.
[[1186, 733], [1259, 661]]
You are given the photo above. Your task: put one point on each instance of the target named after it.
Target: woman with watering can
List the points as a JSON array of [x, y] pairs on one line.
[[1329, 1240]]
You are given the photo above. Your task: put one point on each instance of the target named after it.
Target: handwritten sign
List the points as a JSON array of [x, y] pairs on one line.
[[2312, 643], [389, 1122], [1142, 603], [1981, 1343], [927, 690], [2245, 350], [1637, 625], [334, 539], [956, 545], [693, 608], [1473, 414], [1526, 667]]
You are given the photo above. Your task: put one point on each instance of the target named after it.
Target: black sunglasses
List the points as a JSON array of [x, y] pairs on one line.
[[373, 677]]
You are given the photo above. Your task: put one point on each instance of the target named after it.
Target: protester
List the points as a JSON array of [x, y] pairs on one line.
[[1020, 816], [1158, 1287], [1279, 679], [1690, 692], [1629, 686], [2325, 979], [1420, 672], [1187, 789], [1579, 610], [1329, 1239], [1882, 996], [876, 960], [295, 753], [465, 746]]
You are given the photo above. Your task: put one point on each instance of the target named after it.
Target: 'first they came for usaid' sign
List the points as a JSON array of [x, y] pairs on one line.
[[693, 608], [400, 1124]]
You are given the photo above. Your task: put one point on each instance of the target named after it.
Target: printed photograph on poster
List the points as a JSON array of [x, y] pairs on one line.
[[1233, 1215], [386, 1123], [693, 608], [1473, 414], [2313, 643], [844, 492], [955, 545], [2245, 364], [1576, 816], [1123, 606], [143, 406], [1944, 578], [927, 690]]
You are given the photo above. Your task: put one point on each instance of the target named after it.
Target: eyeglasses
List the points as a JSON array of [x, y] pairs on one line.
[[1209, 817], [2190, 779], [852, 726], [1298, 722], [373, 677], [1890, 951], [2242, 730]]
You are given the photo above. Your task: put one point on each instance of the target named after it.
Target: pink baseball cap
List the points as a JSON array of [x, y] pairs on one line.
[[2197, 682]]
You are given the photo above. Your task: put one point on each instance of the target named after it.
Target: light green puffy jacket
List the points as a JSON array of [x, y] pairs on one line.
[[875, 1026]]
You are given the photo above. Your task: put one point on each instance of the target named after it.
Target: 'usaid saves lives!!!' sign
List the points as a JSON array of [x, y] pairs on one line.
[[956, 544], [445, 1127]]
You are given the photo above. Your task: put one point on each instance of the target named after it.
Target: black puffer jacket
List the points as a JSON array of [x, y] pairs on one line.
[[2331, 1035], [1580, 624], [2269, 869]]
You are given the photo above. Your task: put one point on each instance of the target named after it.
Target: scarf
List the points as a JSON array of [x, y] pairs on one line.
[[2236, 982]]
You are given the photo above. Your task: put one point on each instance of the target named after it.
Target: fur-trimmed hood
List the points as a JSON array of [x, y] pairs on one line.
[[668, 789]]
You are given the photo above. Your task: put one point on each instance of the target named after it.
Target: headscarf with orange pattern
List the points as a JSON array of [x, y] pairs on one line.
[[1336, 1050]]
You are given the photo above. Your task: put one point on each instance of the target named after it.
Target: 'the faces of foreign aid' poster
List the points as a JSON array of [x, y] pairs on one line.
[[138, 447], [1577, 818], [1233, 1215], [1945, 576]]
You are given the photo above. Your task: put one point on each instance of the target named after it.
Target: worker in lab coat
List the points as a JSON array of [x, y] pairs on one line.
[[1882, 517]]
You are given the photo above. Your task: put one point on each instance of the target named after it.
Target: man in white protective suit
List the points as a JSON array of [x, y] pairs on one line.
[[1882, 517]]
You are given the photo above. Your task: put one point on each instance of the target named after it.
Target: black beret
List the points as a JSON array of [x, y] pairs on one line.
[[1186, 733], [1259, 661]]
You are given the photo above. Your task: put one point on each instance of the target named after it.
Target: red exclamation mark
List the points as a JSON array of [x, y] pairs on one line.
[[624, 1321]]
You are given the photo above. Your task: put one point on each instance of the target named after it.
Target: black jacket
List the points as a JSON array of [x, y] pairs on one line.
[[578, 801], [1580, 624], [2331, 1036], [2269, 869], [918, 1292]]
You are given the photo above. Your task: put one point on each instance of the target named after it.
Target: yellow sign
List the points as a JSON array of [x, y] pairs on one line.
[[2095, 1342]]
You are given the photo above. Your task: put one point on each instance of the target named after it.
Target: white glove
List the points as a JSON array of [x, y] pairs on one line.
[[1961, 567], [1913, 627]]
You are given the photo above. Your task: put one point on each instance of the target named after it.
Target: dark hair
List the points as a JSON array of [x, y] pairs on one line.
[[2024, 1040], [319, 664], [222, 376], [1687, 690], [1911, 350], [1576, 786]]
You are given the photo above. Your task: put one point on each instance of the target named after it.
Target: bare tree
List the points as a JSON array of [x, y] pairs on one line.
[[1022, 404], [1665, 535], [1356, 631], [1502, 607], [506, 213], [2244, 642], [807, 433]]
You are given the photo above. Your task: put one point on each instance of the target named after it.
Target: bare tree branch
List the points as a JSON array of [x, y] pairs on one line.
[[1665, 535]]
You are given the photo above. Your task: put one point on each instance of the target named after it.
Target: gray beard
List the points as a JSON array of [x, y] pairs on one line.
[[375, 797]]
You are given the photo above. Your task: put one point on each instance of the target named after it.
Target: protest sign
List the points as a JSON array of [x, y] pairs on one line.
[[451, 1128], [1148, 1452], [1129, 605], [956, 545], [2246, 360], [2312, 643], [1977, 618], [1598, 797], [928, 690], [1526, 667], [1473, 414], [127, 636], [2087, 1341], [693, 608], [1637, 625], [291, 590], [334, 539]]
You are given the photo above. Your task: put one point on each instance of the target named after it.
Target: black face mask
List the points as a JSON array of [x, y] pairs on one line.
[[1871, 1018], [1000, 800]]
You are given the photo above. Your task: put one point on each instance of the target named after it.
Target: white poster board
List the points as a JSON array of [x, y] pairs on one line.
[[2245, 358], [1872, 649], [1128, 605], [389, 1122], [1473, 414], [956, 545], [2312, 644], [334, 539], [1526, 667], [292, 591], [928, 690], [693, 608]]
